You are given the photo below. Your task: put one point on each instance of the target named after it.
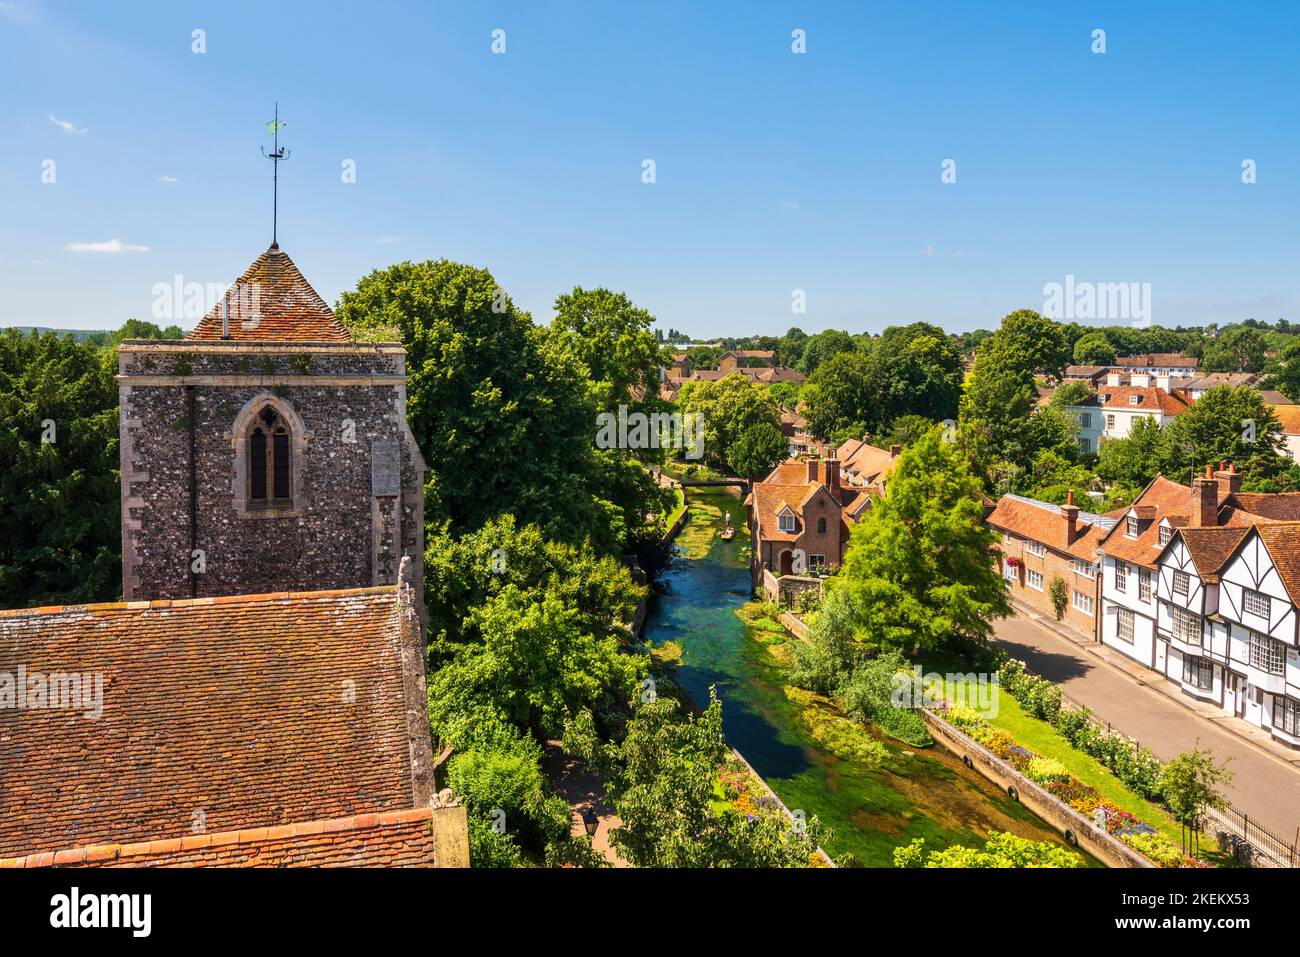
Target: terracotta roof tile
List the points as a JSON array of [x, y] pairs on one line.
[[1158, 360], [1210, 547], [1289, 416], [272, 301], [1046, 523], [404, 838], [238, 712], [1283, 543]]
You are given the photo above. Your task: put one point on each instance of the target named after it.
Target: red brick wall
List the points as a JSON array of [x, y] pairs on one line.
[[1050, 565]]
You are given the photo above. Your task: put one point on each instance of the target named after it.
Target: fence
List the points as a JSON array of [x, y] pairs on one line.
[[1234, 824]]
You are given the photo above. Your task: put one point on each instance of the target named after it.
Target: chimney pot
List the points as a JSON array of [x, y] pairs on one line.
[[894, 450], [832, 473]]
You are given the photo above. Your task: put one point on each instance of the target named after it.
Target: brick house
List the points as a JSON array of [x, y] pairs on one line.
[[1041, 542], [800, 517]]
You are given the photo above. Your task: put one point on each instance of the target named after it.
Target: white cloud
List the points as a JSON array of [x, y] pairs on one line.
[[16, 12], [955, 253], [112, 246], [168, 179], [390, 239], [789, 205], [64, 124], [927, 250]]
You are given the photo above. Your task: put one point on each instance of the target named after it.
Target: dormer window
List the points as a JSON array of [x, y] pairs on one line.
[[1134, 399], [1132, 527], [785, 521], [1166, 532]]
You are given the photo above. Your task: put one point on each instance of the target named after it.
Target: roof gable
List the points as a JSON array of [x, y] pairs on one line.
[[272, 301]]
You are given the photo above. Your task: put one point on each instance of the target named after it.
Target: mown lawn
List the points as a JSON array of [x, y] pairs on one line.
[[1043, 739]]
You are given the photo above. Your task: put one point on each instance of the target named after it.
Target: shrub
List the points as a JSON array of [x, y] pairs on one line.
[[1159, 848], [867, 696], [1046, 770]]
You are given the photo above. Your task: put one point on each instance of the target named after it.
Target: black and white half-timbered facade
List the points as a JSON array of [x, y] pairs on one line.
[[1227, 615]]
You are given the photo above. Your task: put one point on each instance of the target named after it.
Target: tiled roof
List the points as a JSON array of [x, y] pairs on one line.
[[1274, 398], [866, 464], [1046, 523], [1289, 416], [1161, 498], [1149, 399], [406, 838], [1283, 543], [1277, 506], [1210, 547], [1085, 372], [229, 713], [1220, 378], [272, 301], [1158, 360]]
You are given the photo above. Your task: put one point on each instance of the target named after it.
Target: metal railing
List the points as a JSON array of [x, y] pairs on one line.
[[1262, 841]]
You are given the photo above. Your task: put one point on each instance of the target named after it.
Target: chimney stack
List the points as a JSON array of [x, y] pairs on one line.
[[832, 472], [812, 470], [894, 450], [1205, 500], [1228, 477], [1071, 513]]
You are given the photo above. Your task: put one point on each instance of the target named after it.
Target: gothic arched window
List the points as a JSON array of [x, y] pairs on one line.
[[269, 461], [821, 526]]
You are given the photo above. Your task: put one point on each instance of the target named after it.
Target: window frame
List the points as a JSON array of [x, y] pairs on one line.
[[1079, 600], [1250, 593], [1125, 616], [1194, 668], [781, 520], [1185, 580], [1266, 654]]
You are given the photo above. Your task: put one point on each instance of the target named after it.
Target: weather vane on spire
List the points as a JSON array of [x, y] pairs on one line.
[[275, 156]]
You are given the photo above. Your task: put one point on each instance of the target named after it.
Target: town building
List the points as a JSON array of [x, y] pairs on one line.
[[1041, 543], [1178, 572], [259, 697], [1111, 412], [800, 517], [1289, 416], [1159, 363]]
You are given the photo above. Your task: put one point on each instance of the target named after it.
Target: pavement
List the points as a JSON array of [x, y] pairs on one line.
[[1151, 709]]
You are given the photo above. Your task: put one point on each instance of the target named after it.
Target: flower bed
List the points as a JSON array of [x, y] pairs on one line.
[[1055, 778], [741, 789]]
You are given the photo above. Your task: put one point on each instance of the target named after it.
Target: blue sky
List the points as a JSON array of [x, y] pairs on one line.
[[774, 171]]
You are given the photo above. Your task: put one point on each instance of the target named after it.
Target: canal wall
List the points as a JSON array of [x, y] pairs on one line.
[[779, 803], [1077, 829]]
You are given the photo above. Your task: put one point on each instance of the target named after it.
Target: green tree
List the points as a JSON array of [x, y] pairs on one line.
[[758, 450], [841, 394], [1238, 349], [1094, 349], [1072, 393], [489, 391], [1228, 423], [661, 778], [1190, 785], [821, 346], [1134, 460], [917, 370], [790, 347], [613, 339], [1041, 342], [59, 491], [730, 406], [919, 570]]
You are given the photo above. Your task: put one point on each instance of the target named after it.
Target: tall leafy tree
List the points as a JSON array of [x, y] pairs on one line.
[[1094, 349], [59, 491], [500, 409], [758, 450], [730, 406], [613, 339], [841, 394], [1227, 423], [822, 346], [919, 571]]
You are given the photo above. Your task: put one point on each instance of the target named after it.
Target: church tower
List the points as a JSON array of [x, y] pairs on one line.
[[267, 451]]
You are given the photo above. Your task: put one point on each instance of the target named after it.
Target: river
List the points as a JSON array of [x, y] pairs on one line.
[[874, 794]]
